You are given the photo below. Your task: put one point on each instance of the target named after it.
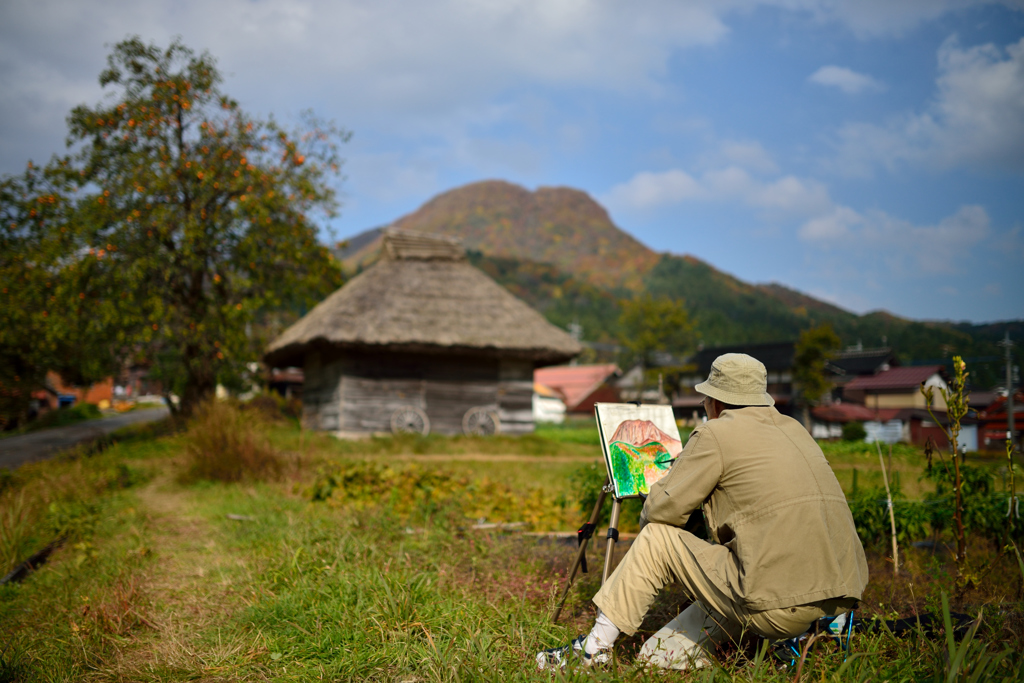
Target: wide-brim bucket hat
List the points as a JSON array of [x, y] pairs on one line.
[[739, 380]]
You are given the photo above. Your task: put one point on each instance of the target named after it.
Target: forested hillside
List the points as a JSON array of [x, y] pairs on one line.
[[557, 249]]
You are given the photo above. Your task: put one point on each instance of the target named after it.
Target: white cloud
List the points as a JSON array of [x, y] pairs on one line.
[[406, 67], [981, 103], [977, 117], [899, 244], [391, 177], [847, 80], [871, 18], [386, 61], [647, 190], [748, 154], [397, 53], [831, 227], [787, 195]]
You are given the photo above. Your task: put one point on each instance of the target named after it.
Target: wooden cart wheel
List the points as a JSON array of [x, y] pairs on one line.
[[410, 420], [481, 421]]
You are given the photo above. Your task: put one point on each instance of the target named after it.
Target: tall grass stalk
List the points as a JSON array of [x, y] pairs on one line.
[[16, 521], [956, 408], [892, 515], [1012, 502]]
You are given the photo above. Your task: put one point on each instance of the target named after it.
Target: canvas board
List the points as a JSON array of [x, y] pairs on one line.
[[640, 443]]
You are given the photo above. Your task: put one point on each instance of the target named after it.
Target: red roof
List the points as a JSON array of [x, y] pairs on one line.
[[844, 412], [998, 406], [896, 378], [575, 382], [887, 414]]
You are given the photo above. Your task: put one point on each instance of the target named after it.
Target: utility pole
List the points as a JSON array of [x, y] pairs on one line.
[[1010, 428]]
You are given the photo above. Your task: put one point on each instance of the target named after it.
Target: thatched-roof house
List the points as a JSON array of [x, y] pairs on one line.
[[421, 341]]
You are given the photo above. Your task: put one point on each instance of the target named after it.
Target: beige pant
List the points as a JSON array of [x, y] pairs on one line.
[[662, 553]]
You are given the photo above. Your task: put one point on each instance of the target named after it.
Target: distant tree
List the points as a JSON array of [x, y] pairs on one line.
[[180, 221], [649, 325], [813, 350]]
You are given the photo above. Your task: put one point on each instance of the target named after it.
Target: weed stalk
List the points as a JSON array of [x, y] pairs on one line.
[[892, 515], [956, 408], [1012, 502]]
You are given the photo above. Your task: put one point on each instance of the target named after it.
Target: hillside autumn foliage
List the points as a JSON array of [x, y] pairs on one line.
[[556, 225]]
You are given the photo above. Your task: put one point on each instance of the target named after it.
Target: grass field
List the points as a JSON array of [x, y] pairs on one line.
[[358, 560]]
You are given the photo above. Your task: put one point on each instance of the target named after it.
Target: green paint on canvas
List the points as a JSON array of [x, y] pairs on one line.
[[636, 467]]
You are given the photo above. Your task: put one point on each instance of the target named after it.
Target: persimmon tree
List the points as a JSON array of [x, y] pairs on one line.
[[187, 221]]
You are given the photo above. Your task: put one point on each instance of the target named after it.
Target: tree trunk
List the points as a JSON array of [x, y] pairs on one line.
[[200, 384], [197, 390]]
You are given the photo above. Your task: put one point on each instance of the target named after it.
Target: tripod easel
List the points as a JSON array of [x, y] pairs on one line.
[[583, 536]]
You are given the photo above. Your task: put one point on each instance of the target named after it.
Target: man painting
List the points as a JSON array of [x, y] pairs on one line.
[[786, 552]]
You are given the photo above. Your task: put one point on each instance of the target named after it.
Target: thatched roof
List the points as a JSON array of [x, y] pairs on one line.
[[422, 296]]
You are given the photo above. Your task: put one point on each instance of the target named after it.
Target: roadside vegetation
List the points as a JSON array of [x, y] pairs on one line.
[[295, 556], [63, 417]]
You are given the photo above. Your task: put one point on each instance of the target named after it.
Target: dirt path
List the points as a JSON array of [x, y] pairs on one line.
[[190, 586]]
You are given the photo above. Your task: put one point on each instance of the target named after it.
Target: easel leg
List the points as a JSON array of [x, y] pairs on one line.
[[581, 555], [613, 535]]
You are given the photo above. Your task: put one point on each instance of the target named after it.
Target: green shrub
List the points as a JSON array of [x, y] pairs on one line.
[[854, 431], [985, 508], [870, 511], [224, 443]]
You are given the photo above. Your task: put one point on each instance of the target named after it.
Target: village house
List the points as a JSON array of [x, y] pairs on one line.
[[995, 420], [857, 361], [581, 386], [899, 388], [420, 342], [548, 405], [901, 411], [827, 421]]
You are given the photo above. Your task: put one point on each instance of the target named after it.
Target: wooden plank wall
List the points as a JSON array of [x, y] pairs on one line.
[[353, 392], [321, 394], [515, 396], [367, 404], [448, 402]]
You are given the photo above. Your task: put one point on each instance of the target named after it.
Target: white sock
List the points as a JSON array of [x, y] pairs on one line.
[[602, 636]]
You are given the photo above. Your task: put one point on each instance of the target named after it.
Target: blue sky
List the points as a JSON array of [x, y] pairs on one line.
[[867, 152]]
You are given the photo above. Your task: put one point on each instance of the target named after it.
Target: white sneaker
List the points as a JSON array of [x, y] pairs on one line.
[[558, 657]]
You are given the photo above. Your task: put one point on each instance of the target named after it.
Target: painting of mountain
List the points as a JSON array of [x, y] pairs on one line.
[[642, 432], [640, 443]]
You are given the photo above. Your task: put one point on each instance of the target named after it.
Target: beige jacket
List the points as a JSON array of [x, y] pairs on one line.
[[771, 500]]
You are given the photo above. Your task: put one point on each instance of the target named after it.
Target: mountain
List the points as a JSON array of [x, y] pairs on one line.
[[557, 249], [556, 225], [643, 432]]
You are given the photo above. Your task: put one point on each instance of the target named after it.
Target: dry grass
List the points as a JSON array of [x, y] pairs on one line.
[[17, 516], [226, 444]]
